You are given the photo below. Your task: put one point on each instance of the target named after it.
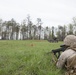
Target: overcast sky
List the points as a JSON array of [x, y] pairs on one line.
[[52, 12]]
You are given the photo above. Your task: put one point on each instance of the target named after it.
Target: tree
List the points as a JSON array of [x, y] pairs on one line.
[[34, 31], [13, 24], [30, 29], [64, 32], [4, 30], [23, 29], [70, 29], [74, 25], [17, 30], [53, 32], [61, 32], [1, 28], [39, 23], [8, 29], [29, 25], [47, 33]]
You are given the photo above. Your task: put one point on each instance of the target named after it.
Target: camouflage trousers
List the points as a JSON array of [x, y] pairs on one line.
[[71, 72]]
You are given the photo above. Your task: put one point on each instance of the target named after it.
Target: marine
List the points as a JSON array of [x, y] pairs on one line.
[[67, 58]]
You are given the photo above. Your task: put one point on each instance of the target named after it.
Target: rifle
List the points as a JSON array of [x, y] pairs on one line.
[[61, 49]]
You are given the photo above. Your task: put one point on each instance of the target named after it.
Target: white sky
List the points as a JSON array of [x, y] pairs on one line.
[[52, 12]]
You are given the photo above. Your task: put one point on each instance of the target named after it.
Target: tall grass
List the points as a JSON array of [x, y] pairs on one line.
[[27, 57]]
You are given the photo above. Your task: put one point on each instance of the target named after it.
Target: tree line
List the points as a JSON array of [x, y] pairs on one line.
[[11, 30]]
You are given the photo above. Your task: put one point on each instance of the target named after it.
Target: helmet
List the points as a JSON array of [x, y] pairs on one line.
[[69, 40]]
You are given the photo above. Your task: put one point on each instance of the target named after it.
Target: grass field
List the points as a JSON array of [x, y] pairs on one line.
[[27, 57]]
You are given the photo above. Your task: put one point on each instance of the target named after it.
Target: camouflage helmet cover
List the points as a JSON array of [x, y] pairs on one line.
[[69, 40]]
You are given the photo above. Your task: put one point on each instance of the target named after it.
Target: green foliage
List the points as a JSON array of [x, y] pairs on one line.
[[27, 57]]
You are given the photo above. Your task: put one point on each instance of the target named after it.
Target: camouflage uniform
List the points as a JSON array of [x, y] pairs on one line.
[[71, 60], [68, 56]]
